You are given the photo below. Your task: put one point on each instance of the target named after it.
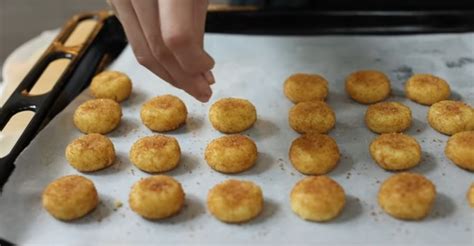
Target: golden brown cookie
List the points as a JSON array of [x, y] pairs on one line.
[[395, 151], [314, 154], [235, 201], [460, 149], [231, 154], [368, 86], [407, 196], [98, 116], [90, 153], [388, 117], [156, 197], [317, 198], [311, 117], [155, 154], [164, 113], [70, 197], [112, 85], [450, 117], [427, 89], [232, 115], [301, 87]]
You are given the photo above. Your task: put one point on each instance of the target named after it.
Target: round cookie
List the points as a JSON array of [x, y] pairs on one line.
[[232, 115], [387, 117], [450, 117], [470, 195], [156, 197], [90, 153], [235, 201], [317, 198], [427, 89], [97, 116], [368, 86], [70, 197], [314, 154], [164, 113], [395, 151], [301, 87], [460, 149], [231, 154], [407, 196], [112, 85], [311, 117], [155, 154]]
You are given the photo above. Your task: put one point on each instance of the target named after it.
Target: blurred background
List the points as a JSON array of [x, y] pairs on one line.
[[22, 20]]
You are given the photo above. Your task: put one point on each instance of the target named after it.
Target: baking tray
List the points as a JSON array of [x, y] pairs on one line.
[[254, 67], [256, 72]]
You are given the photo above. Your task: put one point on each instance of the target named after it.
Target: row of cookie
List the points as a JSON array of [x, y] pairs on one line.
[[310, 154], [405, 196], [159, 153], [367, 87]]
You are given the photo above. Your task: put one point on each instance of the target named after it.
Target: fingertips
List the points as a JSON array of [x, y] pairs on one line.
[[209, 77], [196, 86]]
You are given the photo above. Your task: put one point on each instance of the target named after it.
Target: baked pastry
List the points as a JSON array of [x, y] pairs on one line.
[[460, 149], [232, 115], [450, 117], [231, 154], [98, 116], [407, 196], [317, 198], [395, 151], [155, 154], [314, 154], [90, 153], [388, 117], [112, 85], [311, 117], [164, 113], [427, 89], [368, 86], [156, 197], [70, 197], [301, 87], [235, 201]]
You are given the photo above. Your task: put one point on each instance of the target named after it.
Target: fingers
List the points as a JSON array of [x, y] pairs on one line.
[[180, 35], [141, 22], [194, 84], [135, 36]]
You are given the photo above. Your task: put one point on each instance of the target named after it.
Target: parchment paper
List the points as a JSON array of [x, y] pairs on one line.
[[254, 67]]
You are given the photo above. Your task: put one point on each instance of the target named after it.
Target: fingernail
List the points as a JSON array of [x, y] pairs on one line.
[[209, 77], [206, 94]]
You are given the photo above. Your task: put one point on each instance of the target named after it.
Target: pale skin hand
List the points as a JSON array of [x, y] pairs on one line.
[[167, 38]]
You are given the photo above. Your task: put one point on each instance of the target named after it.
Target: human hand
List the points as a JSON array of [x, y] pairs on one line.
[[167, 38]]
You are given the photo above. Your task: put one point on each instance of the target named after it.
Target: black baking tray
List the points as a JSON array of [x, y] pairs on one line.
[[341, 17]]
